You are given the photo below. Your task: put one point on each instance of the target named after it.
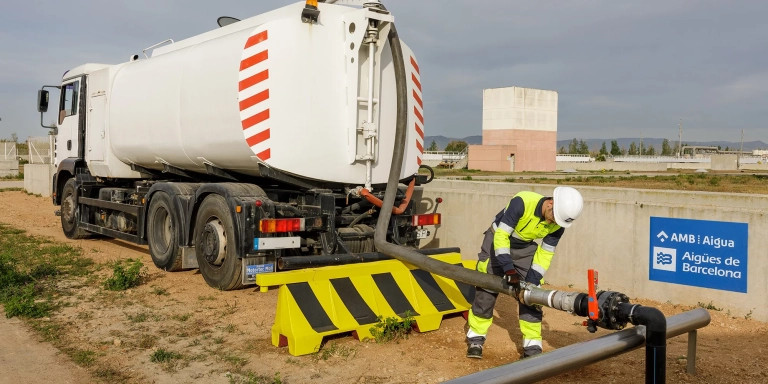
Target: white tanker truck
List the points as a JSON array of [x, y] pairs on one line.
[[267, 139]]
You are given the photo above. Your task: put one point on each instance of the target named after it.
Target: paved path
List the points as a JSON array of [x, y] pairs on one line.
[[23, 359], [11, 184]]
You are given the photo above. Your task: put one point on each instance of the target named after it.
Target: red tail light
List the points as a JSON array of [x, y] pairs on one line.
[[428, 219], [281, 225]]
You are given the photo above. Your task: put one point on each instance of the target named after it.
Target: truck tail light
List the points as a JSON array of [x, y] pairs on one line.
[[281, 225], [428, 219]]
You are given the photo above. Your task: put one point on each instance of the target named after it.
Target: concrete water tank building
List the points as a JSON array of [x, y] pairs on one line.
[[519, 131]]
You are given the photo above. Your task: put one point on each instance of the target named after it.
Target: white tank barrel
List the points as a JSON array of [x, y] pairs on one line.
[[269, 89]]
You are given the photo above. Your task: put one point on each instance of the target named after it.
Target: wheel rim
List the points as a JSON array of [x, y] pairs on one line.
[[162, 230], [213, 241], [68, 209]]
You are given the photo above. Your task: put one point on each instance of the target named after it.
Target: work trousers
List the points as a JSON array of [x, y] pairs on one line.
[[481, 313]]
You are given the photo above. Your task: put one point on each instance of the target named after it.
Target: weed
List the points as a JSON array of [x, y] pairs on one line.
[[335, 350], [249, 377], [147, 341], [230, 328], [230, 308], [182, 318], [160, 291], [709, 306], [163, 356], [138, 318], [714, 181], [22, 301], [391, 328], [83, 358], [125, 276], [235, 361], [748, 315]]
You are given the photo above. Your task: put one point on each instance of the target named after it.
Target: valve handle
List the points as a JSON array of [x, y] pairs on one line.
[[592, 298]]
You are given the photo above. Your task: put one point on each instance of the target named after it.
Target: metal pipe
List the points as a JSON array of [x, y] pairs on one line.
[[581, 354]]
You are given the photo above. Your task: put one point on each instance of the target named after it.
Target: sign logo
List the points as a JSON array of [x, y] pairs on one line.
[[700, 253], [665, 259]]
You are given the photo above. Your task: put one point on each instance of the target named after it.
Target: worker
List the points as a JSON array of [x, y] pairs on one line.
[[509, 251]]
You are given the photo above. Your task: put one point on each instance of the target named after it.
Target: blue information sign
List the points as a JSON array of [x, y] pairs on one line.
[[709, 254]]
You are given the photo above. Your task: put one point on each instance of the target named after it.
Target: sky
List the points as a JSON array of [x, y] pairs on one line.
[[621, 68]]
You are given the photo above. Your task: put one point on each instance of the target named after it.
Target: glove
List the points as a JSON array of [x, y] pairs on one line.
[[512, 278]]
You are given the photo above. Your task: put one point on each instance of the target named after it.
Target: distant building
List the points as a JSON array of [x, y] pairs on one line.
[[519, 131]]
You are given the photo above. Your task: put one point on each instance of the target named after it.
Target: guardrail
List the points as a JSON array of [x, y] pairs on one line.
[[579, 355]]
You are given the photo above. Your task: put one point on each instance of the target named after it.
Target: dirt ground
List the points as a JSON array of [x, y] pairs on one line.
[[221, 337]]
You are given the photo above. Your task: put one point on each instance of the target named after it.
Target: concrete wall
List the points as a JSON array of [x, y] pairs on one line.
[[38, 178], [632, 167], [725, 162], [9, 168], [498, 158], [612, 236]]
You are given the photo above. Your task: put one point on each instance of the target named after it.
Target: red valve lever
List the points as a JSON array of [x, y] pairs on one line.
[[592, 300]]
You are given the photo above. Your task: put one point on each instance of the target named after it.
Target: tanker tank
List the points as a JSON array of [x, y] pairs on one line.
[[269, 90]]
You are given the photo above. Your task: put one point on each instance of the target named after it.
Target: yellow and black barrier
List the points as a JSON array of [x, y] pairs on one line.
[[318, 302]]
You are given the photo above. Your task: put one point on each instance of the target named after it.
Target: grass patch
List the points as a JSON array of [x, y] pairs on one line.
[[126, 274], [252, 378], [83, 358], [30, 267], [709, 306], [163, 356], [335, 350], [391, 329]]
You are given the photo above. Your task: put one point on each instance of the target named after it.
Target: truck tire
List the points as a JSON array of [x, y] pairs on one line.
[[163, 233], [70, 217], [215, 245]]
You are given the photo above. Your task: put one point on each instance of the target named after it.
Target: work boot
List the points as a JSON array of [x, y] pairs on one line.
[[475, 347], [533, 350]]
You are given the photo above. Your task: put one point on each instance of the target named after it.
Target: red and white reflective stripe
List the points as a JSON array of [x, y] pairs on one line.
[[253, 94], [418, 108]]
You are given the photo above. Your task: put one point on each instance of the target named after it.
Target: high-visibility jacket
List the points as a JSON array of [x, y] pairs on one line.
[[517, 225]]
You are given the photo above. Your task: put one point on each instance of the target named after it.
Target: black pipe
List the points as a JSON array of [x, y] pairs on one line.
[[298, 262], [655, 338], [458, 273]]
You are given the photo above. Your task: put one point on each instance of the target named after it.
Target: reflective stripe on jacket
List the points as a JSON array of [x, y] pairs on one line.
[[517, 225]]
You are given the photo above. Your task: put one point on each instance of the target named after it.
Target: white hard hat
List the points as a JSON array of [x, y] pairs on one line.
[[568, 204]]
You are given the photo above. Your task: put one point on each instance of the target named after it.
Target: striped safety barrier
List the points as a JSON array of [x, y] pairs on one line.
[[318, 302]]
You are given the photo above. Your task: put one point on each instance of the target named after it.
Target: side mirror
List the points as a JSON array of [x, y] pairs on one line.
[[43, 97], [42, 100]]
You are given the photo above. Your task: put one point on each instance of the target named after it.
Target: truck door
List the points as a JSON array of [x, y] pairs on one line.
[[71, 124]]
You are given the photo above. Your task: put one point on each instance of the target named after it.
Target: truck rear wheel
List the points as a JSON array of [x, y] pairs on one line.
[[70, 217], [215, 245], [162, 233]]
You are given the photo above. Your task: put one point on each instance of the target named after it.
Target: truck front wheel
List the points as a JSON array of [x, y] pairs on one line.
[[162, 233], [69, 214], [215, 245]]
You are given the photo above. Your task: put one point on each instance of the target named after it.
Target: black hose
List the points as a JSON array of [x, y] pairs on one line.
[[655, 339], [458, 273]]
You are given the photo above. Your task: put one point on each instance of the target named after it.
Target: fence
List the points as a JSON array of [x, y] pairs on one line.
[[9, 151], [40, 150]]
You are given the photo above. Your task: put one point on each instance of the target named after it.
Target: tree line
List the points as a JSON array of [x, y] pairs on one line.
[[580, 147]]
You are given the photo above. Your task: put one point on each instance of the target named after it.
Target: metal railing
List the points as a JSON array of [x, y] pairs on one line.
[[579, 355]]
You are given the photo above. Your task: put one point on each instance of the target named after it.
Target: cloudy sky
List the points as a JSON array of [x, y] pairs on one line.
[[621, 68]]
